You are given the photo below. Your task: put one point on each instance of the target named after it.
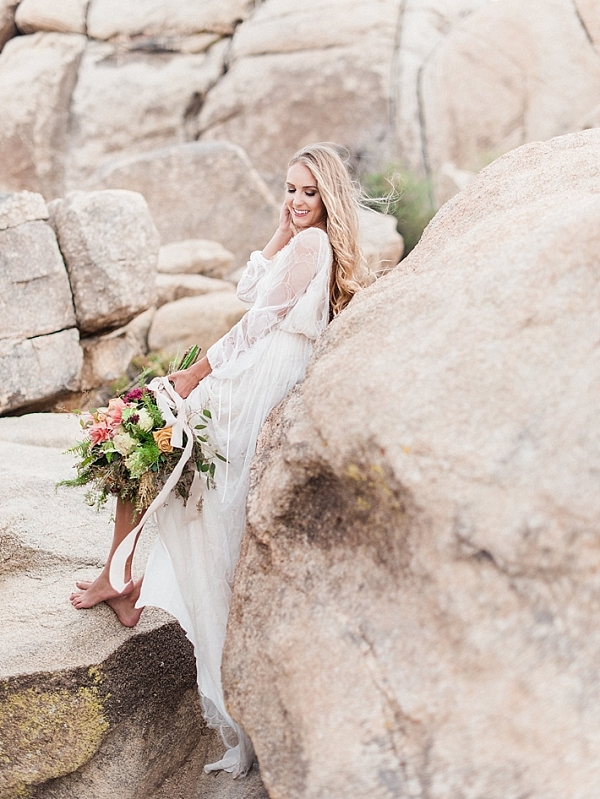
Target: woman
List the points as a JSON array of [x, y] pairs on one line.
[[306, 274]]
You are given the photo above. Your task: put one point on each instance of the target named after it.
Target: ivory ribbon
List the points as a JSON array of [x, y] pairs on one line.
[[168, 400]]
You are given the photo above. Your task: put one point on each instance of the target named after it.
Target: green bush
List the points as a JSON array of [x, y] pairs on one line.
[[399, 192]]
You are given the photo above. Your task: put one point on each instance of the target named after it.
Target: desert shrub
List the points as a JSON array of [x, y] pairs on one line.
[[401, 193]]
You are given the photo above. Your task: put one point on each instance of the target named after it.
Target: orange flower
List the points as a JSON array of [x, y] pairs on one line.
[[163, 439]]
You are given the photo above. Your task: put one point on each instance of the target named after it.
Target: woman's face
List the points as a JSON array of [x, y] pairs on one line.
[[303, 199]]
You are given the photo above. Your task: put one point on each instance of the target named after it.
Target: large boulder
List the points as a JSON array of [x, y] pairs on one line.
[[174, 287], [107, 357], [129, 102], [508, 75], [68, 16], [36, 370], [110, 246], [37, 76], [35, 296], [8, 29], [110, 19], [306, 72], [195, 256], [414, 611], [203, 190], [200, 320]]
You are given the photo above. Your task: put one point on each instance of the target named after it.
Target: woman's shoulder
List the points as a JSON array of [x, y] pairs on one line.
[[313, 237]]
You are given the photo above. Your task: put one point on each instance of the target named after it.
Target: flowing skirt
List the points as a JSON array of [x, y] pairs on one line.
[[190, 570]]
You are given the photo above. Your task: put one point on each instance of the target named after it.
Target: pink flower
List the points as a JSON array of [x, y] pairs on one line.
[[114, 413], [98, 433]]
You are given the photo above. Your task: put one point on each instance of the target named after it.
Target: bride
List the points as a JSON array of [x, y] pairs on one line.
[[306, 274]]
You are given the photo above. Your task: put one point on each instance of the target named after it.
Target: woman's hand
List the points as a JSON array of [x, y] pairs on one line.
[[283, 234], [186, 380]]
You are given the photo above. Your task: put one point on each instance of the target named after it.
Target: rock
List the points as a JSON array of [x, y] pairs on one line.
[[35, 296], [87, 707], [110, 246], [8, 29], [196, 256], [24, 206], [174, 287], [37, 369], [115, 18], [589, 15], [194, 320], [37, 76], [107, 357], [67, 16], [324, 65], [508, 75], [200, 190], [126, 103], [414, 611], [381, 243]]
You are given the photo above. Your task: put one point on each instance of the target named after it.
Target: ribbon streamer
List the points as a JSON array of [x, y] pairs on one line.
[[168, 400]]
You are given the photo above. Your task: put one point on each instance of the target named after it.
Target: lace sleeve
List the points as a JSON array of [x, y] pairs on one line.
[[297, 267], [255, 269]]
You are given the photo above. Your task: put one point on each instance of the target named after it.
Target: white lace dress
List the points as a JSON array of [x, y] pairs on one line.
[[190, 571]]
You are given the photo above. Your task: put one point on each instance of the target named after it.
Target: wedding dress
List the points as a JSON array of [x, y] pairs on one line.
[[190, 570]]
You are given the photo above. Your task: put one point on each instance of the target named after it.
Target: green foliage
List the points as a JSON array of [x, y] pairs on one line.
[[399, 192]]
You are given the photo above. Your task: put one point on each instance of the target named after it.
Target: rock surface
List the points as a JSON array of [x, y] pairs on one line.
[[35, 296], [174, 287], [68, 16], [508, 75], [198, 320], [37, 77], [195, 256], [110, 246], [381, 243], [7, 20], [36, 370], [107, 358], [25, 206], [203, 190], [415, 606], [87, 707]]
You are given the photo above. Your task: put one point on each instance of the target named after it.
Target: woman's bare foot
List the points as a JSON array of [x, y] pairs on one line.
[[124, 605], [99, 591]]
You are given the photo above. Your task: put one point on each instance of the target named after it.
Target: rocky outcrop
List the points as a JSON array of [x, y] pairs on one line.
[[380, 241], [40, 356], [69, 16], [110, 246], [197, 257], [87, 707], [414, 608], [7, 20], [200, 319], [496, 83], [174, 287], [204, 190]]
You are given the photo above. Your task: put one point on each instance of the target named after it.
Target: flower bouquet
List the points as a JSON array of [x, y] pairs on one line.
[[133, 446]]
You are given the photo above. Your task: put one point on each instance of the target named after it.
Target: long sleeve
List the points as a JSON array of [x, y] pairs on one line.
[[294, 268], [254, 271]]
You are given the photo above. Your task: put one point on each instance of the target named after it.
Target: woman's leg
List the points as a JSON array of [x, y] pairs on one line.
[[100, 590]]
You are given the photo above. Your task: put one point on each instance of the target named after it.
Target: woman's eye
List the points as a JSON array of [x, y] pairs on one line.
[[310, 193], [291, 191]]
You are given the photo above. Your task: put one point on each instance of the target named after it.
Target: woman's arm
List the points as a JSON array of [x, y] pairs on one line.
[[186, 380], [282, 235]]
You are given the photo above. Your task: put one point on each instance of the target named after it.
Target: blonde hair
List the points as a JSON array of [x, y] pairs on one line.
[[341, 200]]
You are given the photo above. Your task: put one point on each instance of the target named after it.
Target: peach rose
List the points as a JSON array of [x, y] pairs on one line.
[[163, 439], [98, 433]]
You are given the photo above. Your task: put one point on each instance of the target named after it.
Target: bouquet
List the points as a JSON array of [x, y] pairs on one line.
[[129, 449]]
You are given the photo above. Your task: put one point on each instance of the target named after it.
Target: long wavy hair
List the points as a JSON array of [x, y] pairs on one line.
[[341, 200]]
